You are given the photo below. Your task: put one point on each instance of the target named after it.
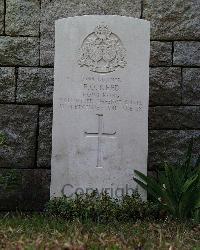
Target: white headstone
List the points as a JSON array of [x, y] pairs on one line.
[[100, 105]]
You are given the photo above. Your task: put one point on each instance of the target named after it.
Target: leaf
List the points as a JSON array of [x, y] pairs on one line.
[[156, 190], [172, 189], [189, 199], [143, 185], [151, 182], [189, 182], [197, 204], [178, 187]]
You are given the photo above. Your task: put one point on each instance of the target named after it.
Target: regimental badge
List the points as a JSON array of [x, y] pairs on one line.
[[102, 51]]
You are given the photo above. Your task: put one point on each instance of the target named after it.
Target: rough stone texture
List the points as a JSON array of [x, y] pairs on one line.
[[44, 140], [186, 53], [22, 17], [30, 192], [19, 51], [171, 146], [7, 84], [191, 86], [1, 16], [173, 19], [161, 53], [18, 123], [35, 85], [165, 86], [174, 117], [176, 21], [53, 10]]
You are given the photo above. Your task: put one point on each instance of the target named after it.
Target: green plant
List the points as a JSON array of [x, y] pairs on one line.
[[177, 188], [2, 138], [101, 208]]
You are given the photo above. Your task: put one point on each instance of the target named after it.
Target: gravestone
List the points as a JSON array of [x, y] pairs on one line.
[[100, 104]]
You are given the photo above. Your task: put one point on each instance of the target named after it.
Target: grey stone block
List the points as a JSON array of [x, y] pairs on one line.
[[35, 85], [29, 191], [44, 140], [174, 117], [161, 53], [191, 86], [171, 146], [22, 51], [186, 53], [52, 10], [165, 86], [22, 17], [173, 19], [7, 84], [1, 16], [18, 123]]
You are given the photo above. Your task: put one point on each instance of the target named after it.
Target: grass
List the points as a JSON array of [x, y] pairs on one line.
[[37, 231]]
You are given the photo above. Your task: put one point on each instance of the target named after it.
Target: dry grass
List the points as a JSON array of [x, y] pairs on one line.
[[42, 232]]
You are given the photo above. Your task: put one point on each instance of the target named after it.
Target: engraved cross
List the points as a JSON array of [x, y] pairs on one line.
[[100, 134]]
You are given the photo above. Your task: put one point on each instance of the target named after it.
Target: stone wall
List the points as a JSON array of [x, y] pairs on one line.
[[26, 84]]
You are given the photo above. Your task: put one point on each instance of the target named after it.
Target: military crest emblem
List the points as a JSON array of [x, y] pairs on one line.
[[102, 51]]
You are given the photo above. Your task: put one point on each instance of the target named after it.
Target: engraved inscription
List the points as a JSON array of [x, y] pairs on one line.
[[102, 51], [99, 135], [102, 93]]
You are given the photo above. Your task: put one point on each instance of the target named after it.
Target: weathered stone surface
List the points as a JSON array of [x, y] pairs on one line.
[[174, 117], [18, 123], [19, 51], [29, 192], [165, 86], [35, 85], [186, 53], [7, 84], [191, 86], [161, 53], [22, 17], [1, 16], [173, 19], [53, 10], [100, 120], [44, 140], [171, 146]]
